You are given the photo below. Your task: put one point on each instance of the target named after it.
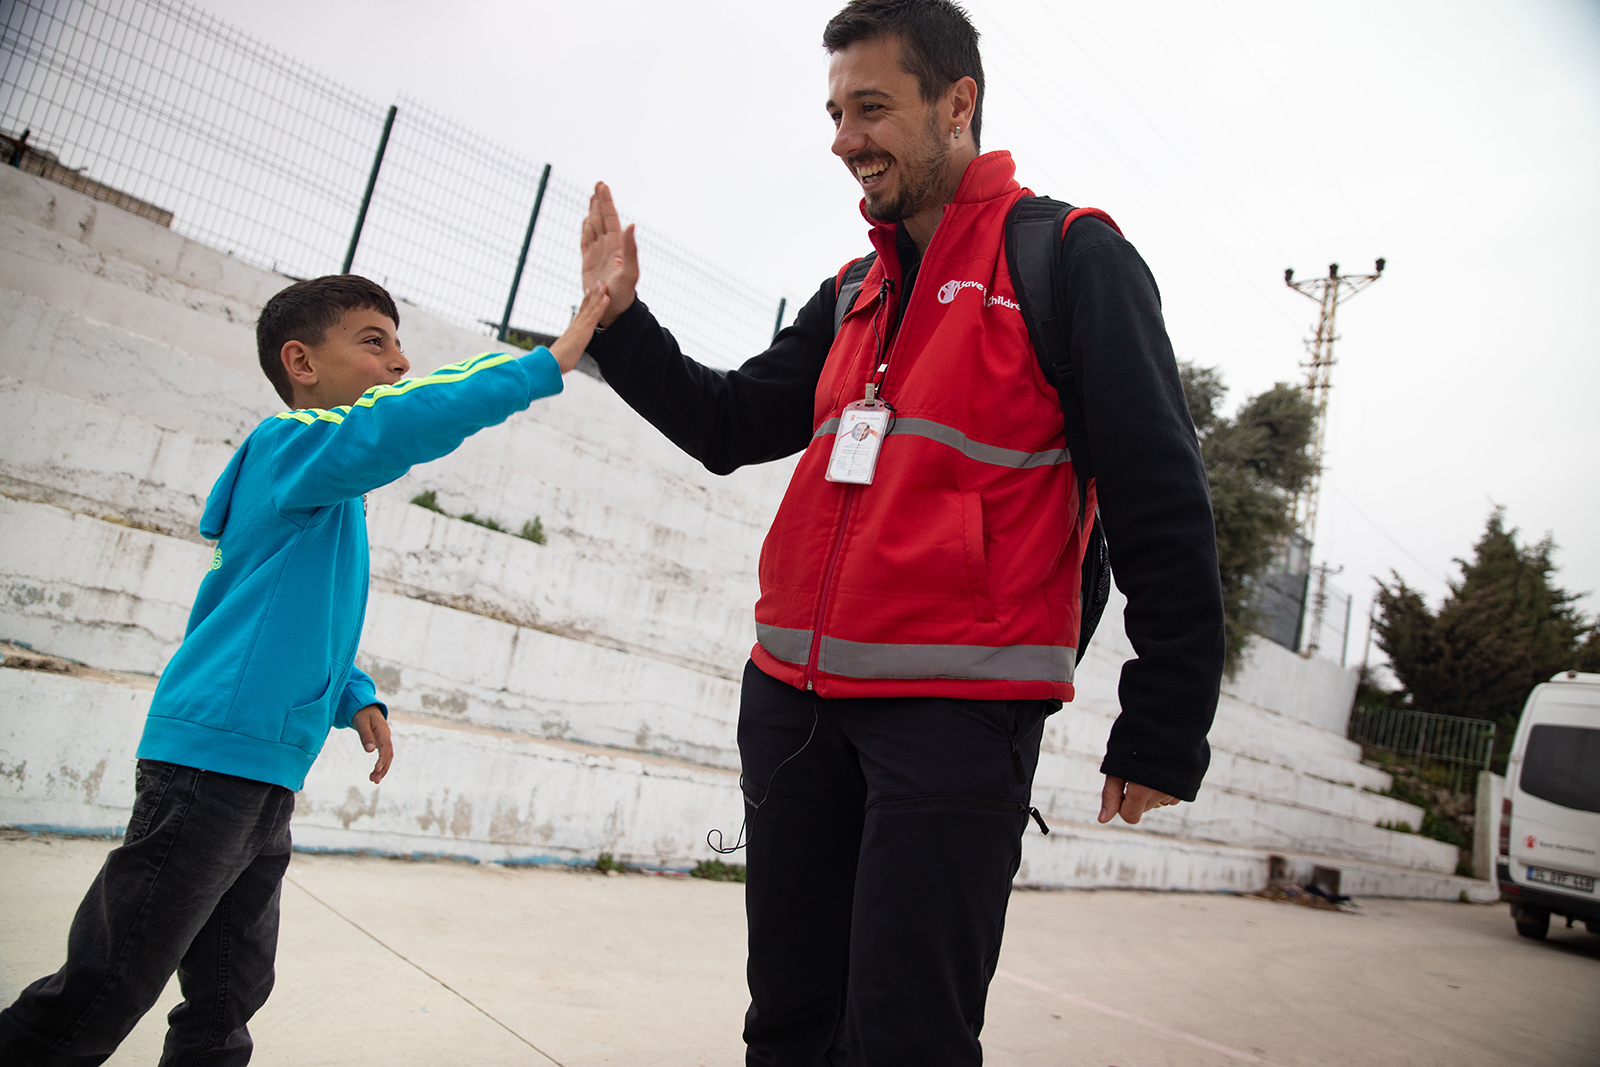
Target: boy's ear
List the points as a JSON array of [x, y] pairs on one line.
[[297, 362]]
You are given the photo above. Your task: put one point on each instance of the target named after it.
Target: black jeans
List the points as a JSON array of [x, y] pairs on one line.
[[879, 868], [193, 888]]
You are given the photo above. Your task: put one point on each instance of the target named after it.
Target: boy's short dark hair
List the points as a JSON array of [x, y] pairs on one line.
[[304, 311], [939, 45]]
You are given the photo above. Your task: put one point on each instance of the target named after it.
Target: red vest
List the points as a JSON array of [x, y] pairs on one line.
[[956, 572]]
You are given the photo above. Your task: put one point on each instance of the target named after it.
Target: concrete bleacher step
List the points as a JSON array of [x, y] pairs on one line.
[[98, 461], [66, 745], [677, 583], [1089, 856], [454, 790], [102, 594], [615, 477]]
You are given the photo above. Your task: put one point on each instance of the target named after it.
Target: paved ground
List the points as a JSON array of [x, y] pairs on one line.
[[406, 964]]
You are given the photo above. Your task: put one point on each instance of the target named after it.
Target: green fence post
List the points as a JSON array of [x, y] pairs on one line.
[[783, 302], [366, 199], [527, 241]]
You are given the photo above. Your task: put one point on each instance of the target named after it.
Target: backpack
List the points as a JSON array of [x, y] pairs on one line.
[[1034, 229]]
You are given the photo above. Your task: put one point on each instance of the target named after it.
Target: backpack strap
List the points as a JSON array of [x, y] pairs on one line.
[[1034, 231], [849, 284]]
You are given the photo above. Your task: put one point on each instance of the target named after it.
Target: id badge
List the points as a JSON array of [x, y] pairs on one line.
[[862, 428]]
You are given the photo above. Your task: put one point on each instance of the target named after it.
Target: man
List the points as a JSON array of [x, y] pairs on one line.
[[919, 604]]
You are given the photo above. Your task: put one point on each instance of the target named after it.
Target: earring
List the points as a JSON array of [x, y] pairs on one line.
[[958, 131]]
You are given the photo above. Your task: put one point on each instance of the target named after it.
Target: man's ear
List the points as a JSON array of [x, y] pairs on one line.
[[297, 363], [962, 99]]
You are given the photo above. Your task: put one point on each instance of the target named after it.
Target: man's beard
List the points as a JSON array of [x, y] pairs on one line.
[[921, 181]]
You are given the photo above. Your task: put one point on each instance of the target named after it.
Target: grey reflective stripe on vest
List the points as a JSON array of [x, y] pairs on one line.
[[791, 646], [975, 450], [863, 659], [1000, 457]]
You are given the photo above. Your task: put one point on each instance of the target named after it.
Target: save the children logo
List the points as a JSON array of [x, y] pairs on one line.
[[948, 291], [1530, 842]]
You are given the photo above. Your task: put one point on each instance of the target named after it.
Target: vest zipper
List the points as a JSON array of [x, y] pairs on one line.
[[827, 586], [850, 493]]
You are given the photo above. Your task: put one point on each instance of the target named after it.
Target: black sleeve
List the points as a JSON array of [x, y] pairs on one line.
[[724, 419], [1156, 508]]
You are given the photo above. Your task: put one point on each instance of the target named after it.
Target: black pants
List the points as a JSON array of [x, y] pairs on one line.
[[880, 863], [193, 888]]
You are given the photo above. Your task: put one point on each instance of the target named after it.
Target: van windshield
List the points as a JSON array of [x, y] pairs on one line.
[[1562, 765]]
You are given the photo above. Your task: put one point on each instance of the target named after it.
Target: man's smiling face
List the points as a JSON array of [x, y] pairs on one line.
[[886, 134]]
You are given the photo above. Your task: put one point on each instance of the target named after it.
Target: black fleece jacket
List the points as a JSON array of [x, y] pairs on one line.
[[1151, 485]]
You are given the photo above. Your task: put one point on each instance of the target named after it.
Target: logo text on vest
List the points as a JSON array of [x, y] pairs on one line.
[[948, 291]]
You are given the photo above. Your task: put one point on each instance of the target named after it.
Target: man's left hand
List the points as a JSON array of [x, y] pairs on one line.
[[1130, 800], [374, 730]]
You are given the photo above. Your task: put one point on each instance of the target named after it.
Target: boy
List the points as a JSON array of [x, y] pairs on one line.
[[265, 669]]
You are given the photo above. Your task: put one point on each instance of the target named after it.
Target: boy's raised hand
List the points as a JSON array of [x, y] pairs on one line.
[[570, 345], [374, 730]]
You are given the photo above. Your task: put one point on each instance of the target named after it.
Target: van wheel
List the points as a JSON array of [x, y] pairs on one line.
[[1531, 922]]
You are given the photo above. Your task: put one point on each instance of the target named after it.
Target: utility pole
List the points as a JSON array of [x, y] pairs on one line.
[[1319, 606], [1327, 292]]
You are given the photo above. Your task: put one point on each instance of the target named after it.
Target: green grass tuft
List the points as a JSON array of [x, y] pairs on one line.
[[717, 871]]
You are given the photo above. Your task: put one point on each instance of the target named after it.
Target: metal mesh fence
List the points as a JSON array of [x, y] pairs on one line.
[[1421, 738], [159, 104]]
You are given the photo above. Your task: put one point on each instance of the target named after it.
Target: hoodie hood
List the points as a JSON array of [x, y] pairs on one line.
[[215, 517]]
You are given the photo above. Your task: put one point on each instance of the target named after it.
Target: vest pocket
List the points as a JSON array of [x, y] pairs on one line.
[[977, 562]]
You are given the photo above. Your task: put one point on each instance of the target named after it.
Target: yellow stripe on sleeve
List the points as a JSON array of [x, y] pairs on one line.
[[311, 415], [451, 372]]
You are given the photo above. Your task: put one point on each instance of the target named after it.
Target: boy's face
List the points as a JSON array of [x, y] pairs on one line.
[[359, 351]]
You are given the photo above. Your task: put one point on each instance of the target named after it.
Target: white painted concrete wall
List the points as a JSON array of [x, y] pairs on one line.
[[552, 701]]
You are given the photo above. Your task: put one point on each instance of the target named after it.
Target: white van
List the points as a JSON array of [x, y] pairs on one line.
[[1550, 817]]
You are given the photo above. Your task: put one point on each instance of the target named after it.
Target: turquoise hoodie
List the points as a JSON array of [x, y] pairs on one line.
[[267, 664]]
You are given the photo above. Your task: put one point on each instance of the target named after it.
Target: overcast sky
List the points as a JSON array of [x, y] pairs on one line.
[[1229, 139]]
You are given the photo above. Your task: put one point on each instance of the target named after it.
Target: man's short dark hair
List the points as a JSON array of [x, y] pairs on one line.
[[304, 312], [938, 44]]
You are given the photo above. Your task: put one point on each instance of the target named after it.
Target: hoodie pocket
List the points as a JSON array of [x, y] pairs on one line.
[[307, 726]]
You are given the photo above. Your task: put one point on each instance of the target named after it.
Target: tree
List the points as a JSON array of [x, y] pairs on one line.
[[1255, 462], [1503, 629]]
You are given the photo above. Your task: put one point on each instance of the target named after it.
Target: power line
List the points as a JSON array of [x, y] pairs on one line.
[[1220, 195], [1172, 232], [1429, 571], [1220, 113], [1322, 168]]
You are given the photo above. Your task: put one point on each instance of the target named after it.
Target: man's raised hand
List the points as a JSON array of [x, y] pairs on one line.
[[1130, 800], [610, 256], [575, 338]]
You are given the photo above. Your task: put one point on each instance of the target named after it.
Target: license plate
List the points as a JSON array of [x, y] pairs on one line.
[[1583, 883]]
